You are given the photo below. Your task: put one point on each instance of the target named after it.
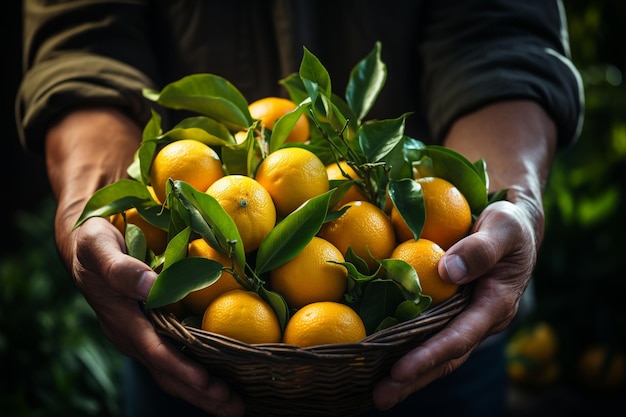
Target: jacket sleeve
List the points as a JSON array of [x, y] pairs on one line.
[[81, 53], [479, 52]]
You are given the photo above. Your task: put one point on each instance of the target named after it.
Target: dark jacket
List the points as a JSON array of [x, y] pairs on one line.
[[444, 58]]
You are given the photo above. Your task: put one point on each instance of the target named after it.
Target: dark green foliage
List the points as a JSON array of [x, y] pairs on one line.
[[579, 278], [55, 360]]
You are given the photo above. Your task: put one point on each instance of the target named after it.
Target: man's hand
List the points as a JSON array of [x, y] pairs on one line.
[[86, 151]]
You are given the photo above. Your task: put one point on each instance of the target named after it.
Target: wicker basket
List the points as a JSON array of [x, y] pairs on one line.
[[329, 380]]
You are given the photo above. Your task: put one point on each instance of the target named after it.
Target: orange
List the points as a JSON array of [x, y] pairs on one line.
[[354, 193], [448, 214], [322, 323], [270, 109], [248, 204], [424, 256], [187, 160], [532, 355], [311, 276], [156, 237], [197, 301], [538, 343], [366, 229], [292, 176], [602, 368], [244, 316]]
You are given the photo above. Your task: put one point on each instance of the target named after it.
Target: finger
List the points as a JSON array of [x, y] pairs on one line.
[[438, 356], [100, 251], [390, 392], [113, 282], [176, 373], [185, 378]]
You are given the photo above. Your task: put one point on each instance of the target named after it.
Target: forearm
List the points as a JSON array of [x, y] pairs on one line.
[[517, 139], [85, 151], [82, 53], [506, 51]]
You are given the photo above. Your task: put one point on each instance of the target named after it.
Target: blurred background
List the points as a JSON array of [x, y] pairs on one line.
[[565, 358]]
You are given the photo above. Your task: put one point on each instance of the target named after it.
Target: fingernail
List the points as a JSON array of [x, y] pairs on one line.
[[145, 284], [455, 267]]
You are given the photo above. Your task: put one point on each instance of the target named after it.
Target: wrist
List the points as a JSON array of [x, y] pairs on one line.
[[86, 150]]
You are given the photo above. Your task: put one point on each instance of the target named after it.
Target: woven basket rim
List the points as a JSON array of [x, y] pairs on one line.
[[281, 380], [394, 335]]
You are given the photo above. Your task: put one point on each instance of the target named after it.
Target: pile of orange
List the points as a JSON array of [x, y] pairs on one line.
[[314, 282]]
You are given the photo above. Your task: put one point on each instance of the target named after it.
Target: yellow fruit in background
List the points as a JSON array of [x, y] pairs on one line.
[[532, 355], [270, 109], [366, 229], [197, 301], [322, 323], [311, 276], [292, 176], [187, 160], [522, 371], [249, 205], [539, 342], [156, 238], [424, 256], [354, 193], [601, 368], [448, 214], [244, 316]]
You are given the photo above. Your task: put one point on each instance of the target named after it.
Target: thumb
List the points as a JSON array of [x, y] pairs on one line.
[[497, 231], [100, 250]]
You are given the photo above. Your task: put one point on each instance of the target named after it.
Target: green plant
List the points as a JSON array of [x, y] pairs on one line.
[[382, 155], [578, 279], [55, 359]]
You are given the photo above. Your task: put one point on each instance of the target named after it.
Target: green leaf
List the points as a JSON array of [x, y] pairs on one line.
[[292, 234], [359, 263], [380, 301], [354, 272], [366, 81], [314, 76], [139, 168], [181, 278], [154, 214], [412, 148], [202, 129], [396, 163], [341, 187], [408, 198], [235, 158], [278, 304], [455, 168], [405, 275], [152, 129], [136, 242], [342, 113], [209, 219], [387, 322], [206, 94], [115, 198], [176, 248], [378, 138], [402, 273], [284, 125], [408, 309], [499, 195], [295, 87], [145, 155], [481, 169]]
